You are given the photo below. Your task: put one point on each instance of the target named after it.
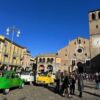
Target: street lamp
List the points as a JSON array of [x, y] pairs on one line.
[[13, 30]]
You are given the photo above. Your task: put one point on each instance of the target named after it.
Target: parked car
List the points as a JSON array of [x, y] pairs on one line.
[[44, 79], [10, 79], [27, 76]]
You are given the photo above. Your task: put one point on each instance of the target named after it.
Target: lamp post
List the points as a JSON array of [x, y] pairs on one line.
[[12, 30]]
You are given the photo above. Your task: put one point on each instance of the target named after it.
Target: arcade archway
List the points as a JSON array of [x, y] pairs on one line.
[[41, 68], [50, 68]]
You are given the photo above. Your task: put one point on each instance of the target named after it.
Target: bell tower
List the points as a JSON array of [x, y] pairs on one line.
[[94, 22], [94, 30]]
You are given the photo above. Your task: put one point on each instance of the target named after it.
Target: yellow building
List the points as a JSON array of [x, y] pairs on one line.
[[11, 54]]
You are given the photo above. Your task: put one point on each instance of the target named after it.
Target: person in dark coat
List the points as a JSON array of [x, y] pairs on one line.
[[80, 84], [72, 84], [58, 78], [65, 86]]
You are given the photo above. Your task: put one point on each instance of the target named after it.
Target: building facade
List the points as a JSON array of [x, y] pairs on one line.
[[11, 54], [74, 54], [94, 30], [26, 58], [48, 62]]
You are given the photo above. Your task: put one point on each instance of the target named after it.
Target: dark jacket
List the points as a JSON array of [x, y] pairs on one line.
[[72, 81], [66, 82]]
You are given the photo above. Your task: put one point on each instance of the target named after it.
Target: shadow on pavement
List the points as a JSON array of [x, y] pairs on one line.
[[52, 89], [90, 87], [92, 93]]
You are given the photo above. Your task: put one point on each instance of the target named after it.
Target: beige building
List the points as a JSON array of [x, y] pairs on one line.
[[32, 61], [26, 58], [11, 54], [75, 53], [48, 62], [94, 30]]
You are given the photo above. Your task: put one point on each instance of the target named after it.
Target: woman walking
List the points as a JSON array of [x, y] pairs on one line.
[[72, 85], [65, 86]]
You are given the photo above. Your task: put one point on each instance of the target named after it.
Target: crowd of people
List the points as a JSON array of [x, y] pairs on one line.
[[65, 83], [93, 77]]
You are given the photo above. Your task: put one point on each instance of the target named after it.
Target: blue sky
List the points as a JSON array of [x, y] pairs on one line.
[[46, 25]]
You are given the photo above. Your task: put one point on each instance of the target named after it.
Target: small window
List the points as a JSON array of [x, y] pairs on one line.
[[84, 42], [75, 43], [40, 60], [51, 60], [73, 62], [48, 59], [97, 26], [85, 54], [79, 41], [43, 59], [79, 50], [74, 54], [93, 16], [65, 54]]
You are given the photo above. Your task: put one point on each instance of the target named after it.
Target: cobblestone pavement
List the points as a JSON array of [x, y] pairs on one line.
[[41, 93], [90, 87]]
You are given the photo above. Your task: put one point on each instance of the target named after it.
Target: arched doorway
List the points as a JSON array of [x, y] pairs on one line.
[[41, 68], [50, 68], [80, 67]]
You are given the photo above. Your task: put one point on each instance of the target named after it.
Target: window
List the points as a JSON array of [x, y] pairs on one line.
[[40, 60], [99, 15], [74, 54], [85, 54], [97, 26], [79, 50], [48, 60], [93, 16], [84, 42], [73, 62], [6, 55], [51, 60], [43, 59], [65, 54], [79, 41], [75, 43]]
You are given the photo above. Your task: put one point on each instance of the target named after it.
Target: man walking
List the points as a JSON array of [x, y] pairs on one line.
[[80, 84], [58, 78]]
